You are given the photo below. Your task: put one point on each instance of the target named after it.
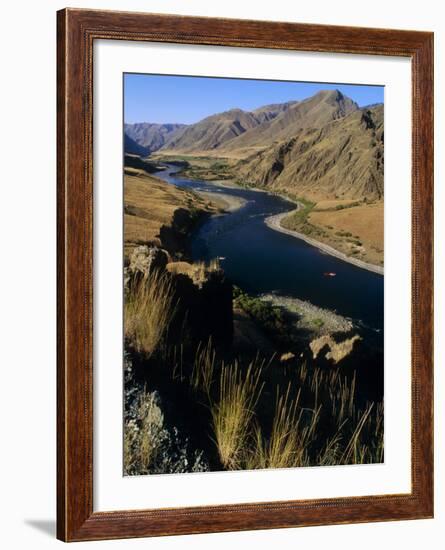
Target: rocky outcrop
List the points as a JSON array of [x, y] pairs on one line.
[[135, 161], [204, 304], [151, 446], [145, 260], [202, 295], [175, 236], [287, 357], [332, 350]]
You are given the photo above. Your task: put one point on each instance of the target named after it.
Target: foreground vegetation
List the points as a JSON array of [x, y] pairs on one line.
[[197, 407]]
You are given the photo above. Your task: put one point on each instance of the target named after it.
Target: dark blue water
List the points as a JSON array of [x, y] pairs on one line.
[[259, 259]]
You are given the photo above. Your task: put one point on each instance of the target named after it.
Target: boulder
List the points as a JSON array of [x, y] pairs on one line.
[[145, 259], [335, 351]]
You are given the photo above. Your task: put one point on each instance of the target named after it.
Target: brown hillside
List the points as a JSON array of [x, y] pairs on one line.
[[212, 131], [365, 222], [151, 136], [314, 112], [158, 213], [215, 131], [269, 112], [342, 159]]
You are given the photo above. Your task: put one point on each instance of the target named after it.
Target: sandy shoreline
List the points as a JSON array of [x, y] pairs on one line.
[[274, 222]]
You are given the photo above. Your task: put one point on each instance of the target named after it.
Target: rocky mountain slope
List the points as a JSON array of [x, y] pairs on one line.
[[151, 136], [314, 112], [341, 159], [237, 133], [215, 131], [133, 148], [211, 132]]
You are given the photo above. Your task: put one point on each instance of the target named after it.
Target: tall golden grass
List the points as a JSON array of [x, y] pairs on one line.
[[290, 436], [316, 420], [316, 398], [232, 414], [148, 311], [357, 435], [296, 439]]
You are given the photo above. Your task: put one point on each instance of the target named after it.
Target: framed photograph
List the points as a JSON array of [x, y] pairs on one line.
[[245, 230]]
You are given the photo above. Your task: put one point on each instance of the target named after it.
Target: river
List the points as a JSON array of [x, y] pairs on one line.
[[260, 259]]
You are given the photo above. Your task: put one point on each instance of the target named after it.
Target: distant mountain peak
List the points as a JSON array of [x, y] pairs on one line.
[[343, 158], [239, 130], [330, 94]]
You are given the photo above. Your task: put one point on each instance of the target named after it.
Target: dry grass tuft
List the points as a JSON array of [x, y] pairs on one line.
[[232, 415], [290, 437], [199, 271], [203, 368], [148, 311], [356, 435]]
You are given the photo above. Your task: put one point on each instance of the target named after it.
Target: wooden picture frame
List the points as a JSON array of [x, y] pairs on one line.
[[77, 31]]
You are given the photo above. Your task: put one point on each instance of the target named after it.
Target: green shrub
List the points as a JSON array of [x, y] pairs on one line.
[[267, 315]]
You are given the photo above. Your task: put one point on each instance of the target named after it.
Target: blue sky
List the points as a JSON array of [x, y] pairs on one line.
[[186, 99]]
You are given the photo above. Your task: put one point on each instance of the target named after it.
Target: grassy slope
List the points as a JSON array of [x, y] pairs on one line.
[[354, 228], [151, 203], [362, 223]]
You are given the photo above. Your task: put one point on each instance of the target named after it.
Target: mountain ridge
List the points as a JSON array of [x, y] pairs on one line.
[[324, 146], [311, 112], [214, 131], [344, 159], [151, 136]]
